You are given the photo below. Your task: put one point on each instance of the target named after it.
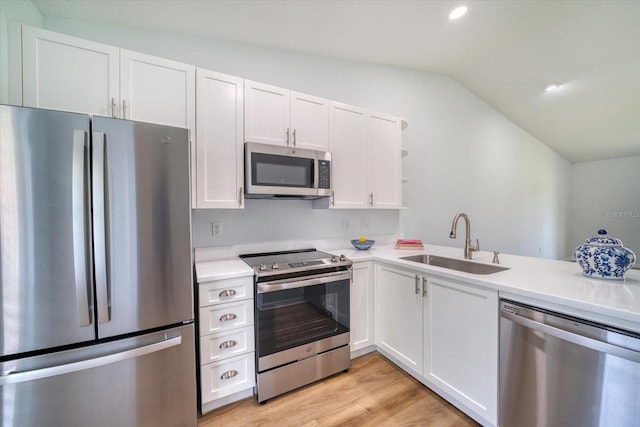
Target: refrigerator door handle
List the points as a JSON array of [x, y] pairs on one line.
[[79, 224], [99, 227], [52, 371]]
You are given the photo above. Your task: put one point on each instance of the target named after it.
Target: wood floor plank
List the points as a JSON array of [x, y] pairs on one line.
[[373, 393]]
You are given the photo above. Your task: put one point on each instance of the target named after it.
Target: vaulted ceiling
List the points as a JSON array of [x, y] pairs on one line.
[[506, 52]]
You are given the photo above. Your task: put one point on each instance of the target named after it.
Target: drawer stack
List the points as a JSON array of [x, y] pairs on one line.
[[227, 357]]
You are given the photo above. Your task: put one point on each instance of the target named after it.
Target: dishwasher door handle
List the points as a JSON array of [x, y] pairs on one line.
[[577, 339]]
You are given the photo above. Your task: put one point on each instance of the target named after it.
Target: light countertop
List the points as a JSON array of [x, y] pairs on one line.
[[551, 284]]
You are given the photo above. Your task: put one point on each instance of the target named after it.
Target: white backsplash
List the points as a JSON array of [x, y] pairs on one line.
[[269, 225]]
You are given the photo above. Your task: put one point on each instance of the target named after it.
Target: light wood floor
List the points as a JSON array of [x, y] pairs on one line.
[[373, 393]]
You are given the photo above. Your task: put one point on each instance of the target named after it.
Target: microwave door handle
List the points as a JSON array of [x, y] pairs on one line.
[[316, 174]]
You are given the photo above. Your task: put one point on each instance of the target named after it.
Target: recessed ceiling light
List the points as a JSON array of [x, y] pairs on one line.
[[552, 87], [458, 12]]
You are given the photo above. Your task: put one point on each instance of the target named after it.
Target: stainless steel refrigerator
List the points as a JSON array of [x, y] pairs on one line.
[[96, 302]]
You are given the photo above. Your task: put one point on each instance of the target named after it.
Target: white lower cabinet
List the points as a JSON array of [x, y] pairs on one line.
[[361, 309], [226, 377], [227, 344], [399, 312], [461, 344], [443, 332]]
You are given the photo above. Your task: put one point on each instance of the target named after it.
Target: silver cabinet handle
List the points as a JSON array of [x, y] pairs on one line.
[[99, 226], [294, 137], [333, 198], [424, 286], [228, 344], [79, 226], [417, 284], [229, 374], [287, 136], [371, 199], [227, 317], [113, 108], [124, 109], [580, 340], [227, 293], [52, 371], [240, 197]]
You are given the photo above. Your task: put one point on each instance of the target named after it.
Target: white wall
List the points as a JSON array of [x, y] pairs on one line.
[[463, 155], [606, 194]]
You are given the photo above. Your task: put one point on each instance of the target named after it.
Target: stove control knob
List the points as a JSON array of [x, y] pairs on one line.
[[343, 258], [334, 258], [275, 266], [263, 267]]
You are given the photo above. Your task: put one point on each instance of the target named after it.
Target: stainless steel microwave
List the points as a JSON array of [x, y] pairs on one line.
[[273, 171]]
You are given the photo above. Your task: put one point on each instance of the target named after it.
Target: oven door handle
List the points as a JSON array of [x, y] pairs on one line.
[[319, 279]]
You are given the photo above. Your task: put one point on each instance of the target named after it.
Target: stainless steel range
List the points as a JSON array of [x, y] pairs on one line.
[[302, 318]]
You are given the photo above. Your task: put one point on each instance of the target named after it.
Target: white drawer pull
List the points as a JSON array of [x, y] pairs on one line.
[[226, 317], [229, 374], [227, 293], [227, 344]]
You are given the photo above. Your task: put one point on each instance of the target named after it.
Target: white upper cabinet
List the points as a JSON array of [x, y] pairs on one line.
[[278, 116], [266, 114], [348, 146], [66, 73], [157, 90], [218, 161], [365, 167], [385, 178], [309, 121]]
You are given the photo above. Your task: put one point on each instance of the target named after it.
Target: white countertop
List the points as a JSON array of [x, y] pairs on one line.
[[223, 269], [552, 284]]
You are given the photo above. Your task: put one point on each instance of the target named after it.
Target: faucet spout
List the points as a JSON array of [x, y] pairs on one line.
[[468, 248]]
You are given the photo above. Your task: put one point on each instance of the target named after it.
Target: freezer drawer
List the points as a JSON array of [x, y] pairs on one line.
[[142, 381]]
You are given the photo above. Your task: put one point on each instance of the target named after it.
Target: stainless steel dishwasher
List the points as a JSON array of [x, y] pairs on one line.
[[557, 370]]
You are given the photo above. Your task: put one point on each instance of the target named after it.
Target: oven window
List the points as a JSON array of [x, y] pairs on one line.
[[281, 171], [292, 317]]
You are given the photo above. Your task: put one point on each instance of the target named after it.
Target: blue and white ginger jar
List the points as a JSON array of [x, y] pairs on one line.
[[604, 257]]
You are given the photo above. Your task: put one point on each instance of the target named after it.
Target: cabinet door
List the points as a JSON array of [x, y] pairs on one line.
[[66, 73], [384, 161], [157, 90], [309, 122], [461, 344], [399, 316], [266, 113], [361, 309], [218, 163], [348, 146]]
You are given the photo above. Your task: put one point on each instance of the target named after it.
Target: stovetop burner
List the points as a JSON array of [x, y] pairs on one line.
[[299, 260]]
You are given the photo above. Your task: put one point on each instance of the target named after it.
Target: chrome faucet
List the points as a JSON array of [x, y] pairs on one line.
[[468, 249]]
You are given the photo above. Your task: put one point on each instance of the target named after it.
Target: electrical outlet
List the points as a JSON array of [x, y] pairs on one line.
[[364, 222], [345, 223], [216, 228]]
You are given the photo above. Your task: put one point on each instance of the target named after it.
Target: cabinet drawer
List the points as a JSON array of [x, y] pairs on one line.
[[228, 316], [225, 344], [227, 376], [222, 291]]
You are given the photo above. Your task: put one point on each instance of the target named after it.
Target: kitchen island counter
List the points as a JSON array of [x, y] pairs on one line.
[[552, 284]]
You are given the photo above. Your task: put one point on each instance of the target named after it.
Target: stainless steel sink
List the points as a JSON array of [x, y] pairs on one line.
[[455, 264]]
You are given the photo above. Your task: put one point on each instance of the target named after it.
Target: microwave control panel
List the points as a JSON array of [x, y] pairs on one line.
[[324, 174]]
